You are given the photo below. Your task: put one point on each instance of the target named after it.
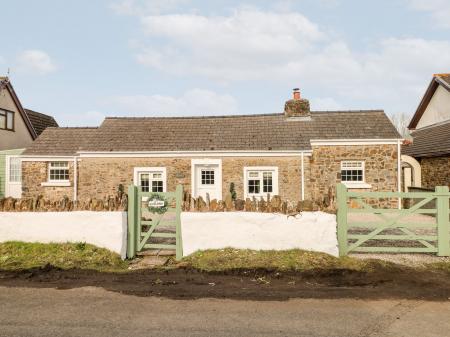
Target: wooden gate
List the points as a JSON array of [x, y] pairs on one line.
[[153, 219], [421, 228]]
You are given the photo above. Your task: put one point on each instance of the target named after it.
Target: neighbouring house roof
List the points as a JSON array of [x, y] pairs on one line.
[[437, 80], [35, 122], [270, 132], [40, 121], [430, 141]]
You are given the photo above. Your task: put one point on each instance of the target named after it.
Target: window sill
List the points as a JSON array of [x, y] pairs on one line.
[[56, 183], [356, 185]]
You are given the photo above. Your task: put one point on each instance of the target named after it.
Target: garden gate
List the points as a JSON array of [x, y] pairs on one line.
[[154, 220], [421, 228]]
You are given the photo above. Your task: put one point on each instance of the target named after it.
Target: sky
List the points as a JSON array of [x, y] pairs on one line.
[[83, 60]]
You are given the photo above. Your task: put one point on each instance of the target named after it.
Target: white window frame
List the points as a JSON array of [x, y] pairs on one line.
[[8, 169], [150, 170], [57, 182], [273, 169], [355, 184]]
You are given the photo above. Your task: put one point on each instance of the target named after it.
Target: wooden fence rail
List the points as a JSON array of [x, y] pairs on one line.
[[363, 228]]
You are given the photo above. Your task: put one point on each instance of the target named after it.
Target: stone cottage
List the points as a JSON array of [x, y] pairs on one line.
[[298, 154], [430, 131]]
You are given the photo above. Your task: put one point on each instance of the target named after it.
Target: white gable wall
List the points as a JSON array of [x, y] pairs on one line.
[[20, 137], [438, 110]]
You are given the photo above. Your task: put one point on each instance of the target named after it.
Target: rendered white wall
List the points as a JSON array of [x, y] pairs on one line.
[[438, 110], [103, 229], [314, 231]]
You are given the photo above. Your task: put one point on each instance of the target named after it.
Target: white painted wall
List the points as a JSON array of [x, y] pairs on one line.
[[314, 231], [103, 229], [438, 110]]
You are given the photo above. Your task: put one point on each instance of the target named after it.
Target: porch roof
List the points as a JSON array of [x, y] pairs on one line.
[[431, 141]]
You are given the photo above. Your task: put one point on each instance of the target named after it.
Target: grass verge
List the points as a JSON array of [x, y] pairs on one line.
[[21, 255], [287, 260]]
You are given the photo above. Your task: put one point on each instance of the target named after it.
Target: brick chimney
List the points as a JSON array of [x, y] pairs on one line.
[[297, 106]]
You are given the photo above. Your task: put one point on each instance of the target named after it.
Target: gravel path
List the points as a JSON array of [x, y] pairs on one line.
[[411, 260]]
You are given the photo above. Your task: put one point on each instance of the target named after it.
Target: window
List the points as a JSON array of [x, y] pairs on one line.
[[352, 171], [58, 171], [6, 120], [151, 182], [261, 181], [15, 170], [150, 179], [207, 177]]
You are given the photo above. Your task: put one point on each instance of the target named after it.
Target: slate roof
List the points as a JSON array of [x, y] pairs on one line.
[[40, 121], [430, 141], [269, 132]]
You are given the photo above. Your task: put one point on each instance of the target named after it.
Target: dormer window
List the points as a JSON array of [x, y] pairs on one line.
[[6, 120]]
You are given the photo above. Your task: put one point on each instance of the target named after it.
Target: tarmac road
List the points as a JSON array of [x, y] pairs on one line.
[[91, 311]]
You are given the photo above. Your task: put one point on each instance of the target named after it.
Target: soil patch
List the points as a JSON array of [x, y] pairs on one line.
[[245, 284]]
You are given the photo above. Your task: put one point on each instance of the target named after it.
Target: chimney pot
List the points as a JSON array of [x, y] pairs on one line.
[[296, 93]]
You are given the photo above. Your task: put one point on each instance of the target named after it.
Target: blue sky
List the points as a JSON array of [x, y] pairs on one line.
[[83, 60]]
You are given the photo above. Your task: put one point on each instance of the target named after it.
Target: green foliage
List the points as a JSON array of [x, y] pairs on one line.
[[20, 255], [286, 260], [233, 191]]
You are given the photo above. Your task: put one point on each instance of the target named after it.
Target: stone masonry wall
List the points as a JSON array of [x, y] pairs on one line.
[[380, 168], [35, 173], [435, 172], [100, 177]]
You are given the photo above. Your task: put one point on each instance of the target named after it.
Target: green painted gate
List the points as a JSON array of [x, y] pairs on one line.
[[421, 228], [154, 216]]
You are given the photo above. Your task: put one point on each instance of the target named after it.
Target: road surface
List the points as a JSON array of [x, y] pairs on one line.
[[91, 311]]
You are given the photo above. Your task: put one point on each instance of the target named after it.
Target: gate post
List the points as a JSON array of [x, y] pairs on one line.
[[341, 192], [132, 201], [442, 219], [179, 240]]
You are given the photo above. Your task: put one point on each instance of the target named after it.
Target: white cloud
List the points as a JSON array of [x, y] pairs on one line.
[[251, 44], [36, 61], [248, 44], [438, 9], [192, 102]]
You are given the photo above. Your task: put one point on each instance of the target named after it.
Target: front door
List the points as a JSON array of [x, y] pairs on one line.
[[13, 186], [207, 180]]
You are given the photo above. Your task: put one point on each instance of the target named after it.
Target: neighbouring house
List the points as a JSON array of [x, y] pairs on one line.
[[298, 154], [430, 132], [19, 127]]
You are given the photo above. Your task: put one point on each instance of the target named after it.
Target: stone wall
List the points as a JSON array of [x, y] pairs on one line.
[[435, 171], [35, 173], [99, 177], [380, 168]]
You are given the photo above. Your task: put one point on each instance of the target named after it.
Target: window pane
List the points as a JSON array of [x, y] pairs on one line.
[[9, 120], [157, 186], [267, 182], [2, 121], [352, 175], [63, 164], [253, 186], [14, 170], [145, 182], [253, 174], [207, 177]]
